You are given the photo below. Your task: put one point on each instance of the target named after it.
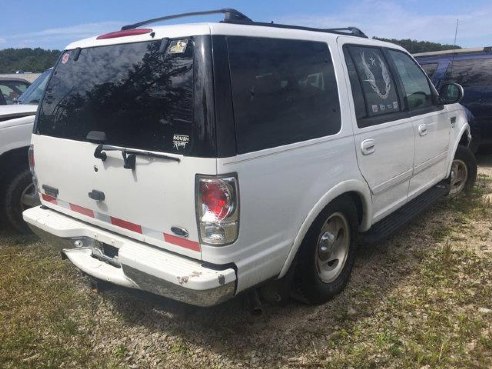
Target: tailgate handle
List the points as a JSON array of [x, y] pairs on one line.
[[97, 195]]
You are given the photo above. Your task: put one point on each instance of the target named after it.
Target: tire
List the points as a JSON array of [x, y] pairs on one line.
[[463, 171], [19, 195], [320, 274]]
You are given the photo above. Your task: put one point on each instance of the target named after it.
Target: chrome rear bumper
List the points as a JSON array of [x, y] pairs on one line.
[[137, 265]]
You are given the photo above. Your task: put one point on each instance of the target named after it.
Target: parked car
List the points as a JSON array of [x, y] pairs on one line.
[[34, 92], [17, 192], [472, 69], [200, 161], [11, 89]]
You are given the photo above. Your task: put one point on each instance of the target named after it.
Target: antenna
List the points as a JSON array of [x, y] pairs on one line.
[[454, 43], [456, 32]]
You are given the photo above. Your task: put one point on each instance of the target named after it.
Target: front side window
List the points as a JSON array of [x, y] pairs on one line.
[[283, 91], [470, 72], [417, 90], [139, 94], [430, 69]]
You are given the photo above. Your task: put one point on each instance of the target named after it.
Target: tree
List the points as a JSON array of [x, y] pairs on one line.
[[414, 46], [29, 60]]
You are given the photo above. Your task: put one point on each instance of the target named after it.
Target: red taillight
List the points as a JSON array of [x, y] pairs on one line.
[[30, 155], [124, 33], [216, 197], [218, 209]]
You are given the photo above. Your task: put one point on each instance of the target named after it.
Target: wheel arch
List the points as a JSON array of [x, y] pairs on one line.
[[12, 159], [359, 194], [464, 139]]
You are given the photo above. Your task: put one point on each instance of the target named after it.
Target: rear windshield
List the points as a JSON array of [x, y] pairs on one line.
[[139, 94]]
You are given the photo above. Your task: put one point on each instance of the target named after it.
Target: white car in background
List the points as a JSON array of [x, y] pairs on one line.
[[17, 192]]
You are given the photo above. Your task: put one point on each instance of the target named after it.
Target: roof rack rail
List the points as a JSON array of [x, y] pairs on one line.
[[230, 16], [350, 31], [236, 17]]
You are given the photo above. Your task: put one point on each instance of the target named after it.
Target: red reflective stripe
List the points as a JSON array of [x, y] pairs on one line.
[[49, 198], [82, 210], [127, 225], [187, 244]]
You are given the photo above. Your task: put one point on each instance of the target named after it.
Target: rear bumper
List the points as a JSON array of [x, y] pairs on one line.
[[137, 265]]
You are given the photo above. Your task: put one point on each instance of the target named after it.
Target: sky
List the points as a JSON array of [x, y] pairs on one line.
[[52, 24]]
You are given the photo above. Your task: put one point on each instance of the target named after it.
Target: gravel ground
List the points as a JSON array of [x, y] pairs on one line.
[[423, 299]]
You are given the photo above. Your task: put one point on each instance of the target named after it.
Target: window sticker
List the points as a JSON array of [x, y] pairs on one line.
[[375, 108], [389, 106], [375, 69], [382, 107], [178, 46], [180, 141], [395, 105], [65, 57]]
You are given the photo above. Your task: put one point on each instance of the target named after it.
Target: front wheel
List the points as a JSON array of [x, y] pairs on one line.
[[463, 171], [328, 252]]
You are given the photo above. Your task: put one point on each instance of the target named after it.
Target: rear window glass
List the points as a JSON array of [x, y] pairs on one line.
[[284, 91], [470, 72], [376, 81], [139, 94]]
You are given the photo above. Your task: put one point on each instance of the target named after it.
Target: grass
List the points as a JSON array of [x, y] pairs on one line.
[[421, 300]]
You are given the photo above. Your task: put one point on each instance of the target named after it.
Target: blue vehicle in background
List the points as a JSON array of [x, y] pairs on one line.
[[472, 69]]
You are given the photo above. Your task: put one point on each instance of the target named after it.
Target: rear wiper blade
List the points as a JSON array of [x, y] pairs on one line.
[[129, 155]]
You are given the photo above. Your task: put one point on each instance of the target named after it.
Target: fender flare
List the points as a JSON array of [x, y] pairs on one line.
[[464, 130], [354, 186]]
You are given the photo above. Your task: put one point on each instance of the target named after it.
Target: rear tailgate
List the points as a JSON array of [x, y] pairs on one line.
[[139, 96], [144, 203]]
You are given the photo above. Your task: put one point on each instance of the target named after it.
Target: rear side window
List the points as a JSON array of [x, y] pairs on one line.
[[376, 80], [139, 94], [283, 91], [470, 72], [417, 90], [429, 69]]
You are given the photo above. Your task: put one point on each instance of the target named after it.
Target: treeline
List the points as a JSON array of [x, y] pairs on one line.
[[28, 60], [414, 46]]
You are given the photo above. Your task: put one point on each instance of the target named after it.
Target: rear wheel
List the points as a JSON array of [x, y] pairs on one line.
[[20, 194], [328, 252], [463, 171]]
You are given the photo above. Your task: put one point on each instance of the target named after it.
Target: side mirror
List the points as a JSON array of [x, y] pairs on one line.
[[450, 93]]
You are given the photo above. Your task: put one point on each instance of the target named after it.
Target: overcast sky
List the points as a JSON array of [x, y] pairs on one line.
[[52, 24]]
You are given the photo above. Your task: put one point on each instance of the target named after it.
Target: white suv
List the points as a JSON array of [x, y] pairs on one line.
[[199, 161]]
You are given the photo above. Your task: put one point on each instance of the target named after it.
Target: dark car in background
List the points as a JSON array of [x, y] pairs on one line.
[[11, 89], [472, 69]]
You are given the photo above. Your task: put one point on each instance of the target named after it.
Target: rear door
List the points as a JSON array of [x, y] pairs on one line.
[[138, 98], [384, 140]]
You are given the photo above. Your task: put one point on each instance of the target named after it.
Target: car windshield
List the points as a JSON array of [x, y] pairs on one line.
[[35, 91], [139, 94]]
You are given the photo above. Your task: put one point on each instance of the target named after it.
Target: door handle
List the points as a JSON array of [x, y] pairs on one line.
[[422, 129], [368, 146]]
